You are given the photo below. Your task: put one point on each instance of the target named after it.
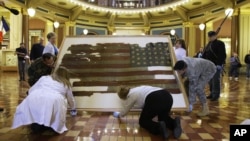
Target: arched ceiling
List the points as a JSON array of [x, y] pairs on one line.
[[194, 11]]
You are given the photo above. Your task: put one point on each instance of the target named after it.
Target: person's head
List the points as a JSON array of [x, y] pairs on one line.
[[180, 66], [22, 45], [235, 54], [201, 49], [61, 74], [212, 35], [123, 92], [51, 37], [41, 39], [180, 43], [48, 59]]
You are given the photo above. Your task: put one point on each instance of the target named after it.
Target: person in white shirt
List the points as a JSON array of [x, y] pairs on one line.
[[180, 49], [47, 103], [153, 101], [51, 46]]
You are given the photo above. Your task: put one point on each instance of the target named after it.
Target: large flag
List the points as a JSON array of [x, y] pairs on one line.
[[106, 66], [3, 28], [98, 69]]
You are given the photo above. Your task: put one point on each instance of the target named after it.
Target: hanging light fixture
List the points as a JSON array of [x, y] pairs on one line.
[[202, 26], [172, 32], [229, 12], [31, 12], [56, 24], [85, 31]]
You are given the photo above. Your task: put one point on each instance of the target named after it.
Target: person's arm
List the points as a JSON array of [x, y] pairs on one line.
[[246, 59], [70, 99], [32, 53], [129, 103]]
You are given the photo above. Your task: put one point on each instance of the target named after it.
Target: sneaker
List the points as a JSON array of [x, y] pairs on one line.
[[230, 78], [163, 129], [236, 79], [177, 129]]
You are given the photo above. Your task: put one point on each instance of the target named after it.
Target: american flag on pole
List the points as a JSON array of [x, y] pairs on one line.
[[100, 64], [3, 28]]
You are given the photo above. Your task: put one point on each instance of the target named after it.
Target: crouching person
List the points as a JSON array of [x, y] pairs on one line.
[[46, 105], [153, 101], [199, 72]]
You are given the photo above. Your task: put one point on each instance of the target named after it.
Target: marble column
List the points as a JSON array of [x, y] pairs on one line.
[[49, 28], [25, 31], [69, 28], [190, 37], [235, 32], [244, 33], [15, 34]]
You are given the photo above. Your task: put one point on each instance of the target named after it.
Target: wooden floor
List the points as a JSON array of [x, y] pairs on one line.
[[232, 107]]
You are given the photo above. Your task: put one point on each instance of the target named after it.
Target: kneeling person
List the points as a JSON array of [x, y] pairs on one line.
[[153, 101]]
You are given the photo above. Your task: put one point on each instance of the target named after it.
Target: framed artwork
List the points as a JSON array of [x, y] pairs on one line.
[[100, 64]]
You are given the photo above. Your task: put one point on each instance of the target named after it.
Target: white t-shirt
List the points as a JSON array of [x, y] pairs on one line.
[[136, 98], [180, 53]]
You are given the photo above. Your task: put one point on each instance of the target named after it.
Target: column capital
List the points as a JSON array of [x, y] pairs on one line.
[[70, 23], [188, 24]]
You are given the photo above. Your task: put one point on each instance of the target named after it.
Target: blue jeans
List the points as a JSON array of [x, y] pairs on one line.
[[214, 84], [234, 71], [248, 71], [21, 69]]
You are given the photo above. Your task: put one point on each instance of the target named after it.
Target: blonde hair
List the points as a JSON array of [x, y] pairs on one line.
[[61, 75], [123, 92]]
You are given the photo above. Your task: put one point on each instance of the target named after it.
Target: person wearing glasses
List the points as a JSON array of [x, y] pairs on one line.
[[40, 67]]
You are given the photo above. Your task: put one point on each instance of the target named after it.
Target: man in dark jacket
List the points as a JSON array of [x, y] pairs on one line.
[[37, 50], [215, 51]]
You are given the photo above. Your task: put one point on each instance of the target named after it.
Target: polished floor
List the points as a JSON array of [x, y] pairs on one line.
[[233, 107]]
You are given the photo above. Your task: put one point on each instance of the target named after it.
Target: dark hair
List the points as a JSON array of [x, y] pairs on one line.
[[51, 34], [211, 33], [47, 56], [182, 42], [180, 65]]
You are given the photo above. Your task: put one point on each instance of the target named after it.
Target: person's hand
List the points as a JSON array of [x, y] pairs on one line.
[[116, 114], [73, 112]]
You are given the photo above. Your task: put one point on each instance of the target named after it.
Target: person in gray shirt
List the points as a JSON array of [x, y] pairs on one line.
[[199, 71]]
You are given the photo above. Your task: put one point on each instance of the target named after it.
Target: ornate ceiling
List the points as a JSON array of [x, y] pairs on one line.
[[195, 11]]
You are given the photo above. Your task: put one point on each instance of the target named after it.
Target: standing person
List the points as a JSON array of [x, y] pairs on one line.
[[215, 51], [198, 71], [199, 54], [180, 49], [21, 56], [40, 67], [247, 61], [51, 46], [234, 67], [46, 104], [37, 50], [153, 101]]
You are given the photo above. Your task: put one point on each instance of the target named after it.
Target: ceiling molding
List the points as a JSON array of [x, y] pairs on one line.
[[77, 11], [181, 13], [35, 3], [224, 3]]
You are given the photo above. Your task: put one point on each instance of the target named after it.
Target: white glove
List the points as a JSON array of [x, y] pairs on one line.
[[116, 114], [73, 112]]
